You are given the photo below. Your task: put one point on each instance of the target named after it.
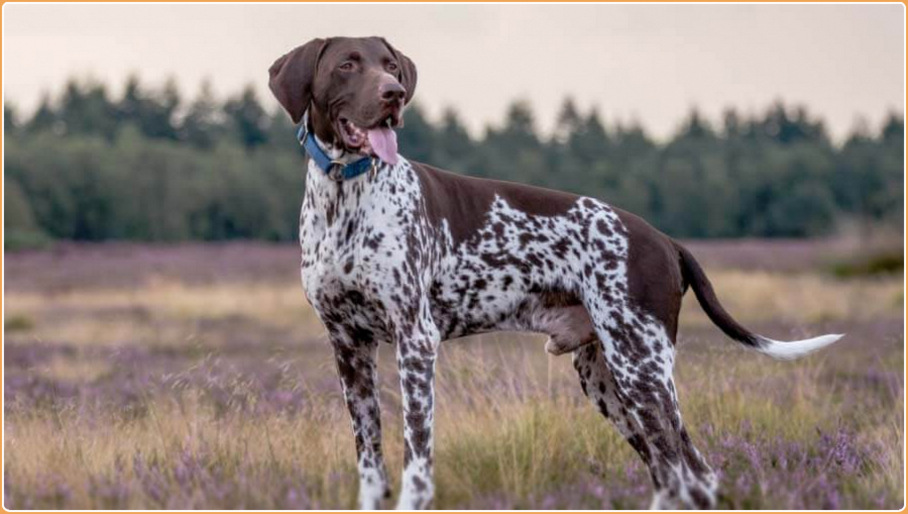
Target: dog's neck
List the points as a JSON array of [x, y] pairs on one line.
[[324, 193]]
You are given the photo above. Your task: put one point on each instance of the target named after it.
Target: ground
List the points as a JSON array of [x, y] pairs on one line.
[[196, 376]]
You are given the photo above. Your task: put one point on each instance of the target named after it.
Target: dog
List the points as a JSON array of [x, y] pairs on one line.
[[399, 251]]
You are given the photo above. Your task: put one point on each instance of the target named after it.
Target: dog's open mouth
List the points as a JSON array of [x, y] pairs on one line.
[[380, 140]]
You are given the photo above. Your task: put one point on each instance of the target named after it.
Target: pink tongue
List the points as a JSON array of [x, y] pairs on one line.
[[384, 142]]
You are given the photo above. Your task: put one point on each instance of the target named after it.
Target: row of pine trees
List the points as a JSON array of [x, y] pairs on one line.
[[150, 165]]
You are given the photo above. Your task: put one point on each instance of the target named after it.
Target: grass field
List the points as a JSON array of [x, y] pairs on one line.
[[196, 376]]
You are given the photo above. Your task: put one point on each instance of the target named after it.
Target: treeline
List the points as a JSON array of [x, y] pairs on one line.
[[151, 166]]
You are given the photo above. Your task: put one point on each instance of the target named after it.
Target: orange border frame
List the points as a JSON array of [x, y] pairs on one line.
[[904, 3]]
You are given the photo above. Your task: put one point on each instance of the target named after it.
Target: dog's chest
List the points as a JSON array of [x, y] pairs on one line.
[[352, 237]]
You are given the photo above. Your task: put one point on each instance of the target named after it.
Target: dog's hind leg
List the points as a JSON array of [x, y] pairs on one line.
[[643, 406], [356, 367]]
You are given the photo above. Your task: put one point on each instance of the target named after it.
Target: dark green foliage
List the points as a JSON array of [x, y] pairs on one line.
[[87, 110], [248, 118], [202, 125], [882, 263], [20, 230], [148, 167], [151, 111], [18, 323], [44, 119], [9, 118]]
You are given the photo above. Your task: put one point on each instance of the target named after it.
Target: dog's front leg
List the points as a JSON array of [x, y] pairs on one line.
[[416, 352], [357, 370]]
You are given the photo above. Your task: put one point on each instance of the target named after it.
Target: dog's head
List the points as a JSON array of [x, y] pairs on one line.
[[354, 88]]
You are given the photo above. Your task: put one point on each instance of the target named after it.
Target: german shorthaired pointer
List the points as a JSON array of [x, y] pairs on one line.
[[399, 251]]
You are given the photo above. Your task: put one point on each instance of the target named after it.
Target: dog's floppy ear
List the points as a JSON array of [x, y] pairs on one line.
[[291, 77], [407, 71]]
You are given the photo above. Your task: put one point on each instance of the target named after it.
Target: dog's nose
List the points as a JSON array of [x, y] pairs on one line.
[[392, 91]]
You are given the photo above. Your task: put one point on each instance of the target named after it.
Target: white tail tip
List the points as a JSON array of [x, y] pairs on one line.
[[793, 349]]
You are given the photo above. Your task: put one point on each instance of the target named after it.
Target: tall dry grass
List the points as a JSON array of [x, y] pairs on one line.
[[223, 395]]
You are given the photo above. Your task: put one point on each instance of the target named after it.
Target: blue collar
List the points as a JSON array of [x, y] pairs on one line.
[[334, 169]]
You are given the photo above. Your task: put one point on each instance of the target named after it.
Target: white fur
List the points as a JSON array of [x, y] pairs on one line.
[[371, 487], [790, 350]]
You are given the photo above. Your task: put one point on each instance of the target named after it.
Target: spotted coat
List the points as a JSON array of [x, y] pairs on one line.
[[413, 255], [380, 262]]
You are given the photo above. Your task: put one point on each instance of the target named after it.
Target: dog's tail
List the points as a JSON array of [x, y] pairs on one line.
[[693, 274]]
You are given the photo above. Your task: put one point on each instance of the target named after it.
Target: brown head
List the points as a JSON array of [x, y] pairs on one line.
[[354, 88]]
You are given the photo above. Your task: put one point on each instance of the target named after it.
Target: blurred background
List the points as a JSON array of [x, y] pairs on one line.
[[159, 352], [154, 123]]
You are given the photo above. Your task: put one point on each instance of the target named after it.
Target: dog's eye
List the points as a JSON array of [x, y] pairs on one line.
[[346, 66], [392, 66]]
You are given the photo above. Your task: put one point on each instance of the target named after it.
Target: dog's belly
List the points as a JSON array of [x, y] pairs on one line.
[[558, 314]]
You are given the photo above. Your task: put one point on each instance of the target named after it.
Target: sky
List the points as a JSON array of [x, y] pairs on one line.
[[642, 63]]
